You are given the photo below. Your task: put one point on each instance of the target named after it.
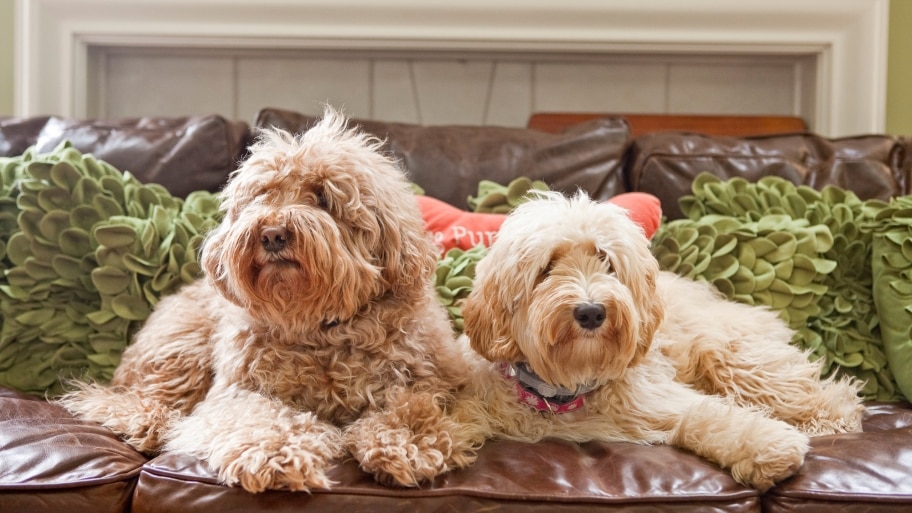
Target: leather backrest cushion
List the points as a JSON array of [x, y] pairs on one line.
[[17, 134], [183, 154], [905, 163], [665, 163], [448, 162]]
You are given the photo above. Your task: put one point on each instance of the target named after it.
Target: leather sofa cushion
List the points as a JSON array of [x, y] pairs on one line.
[[665, 163], [183, 154], [858, 472], [50, 461], [449, 161], [864, 472], [551, 476]]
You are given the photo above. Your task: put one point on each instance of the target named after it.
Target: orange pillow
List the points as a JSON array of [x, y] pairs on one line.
[[452, 227]]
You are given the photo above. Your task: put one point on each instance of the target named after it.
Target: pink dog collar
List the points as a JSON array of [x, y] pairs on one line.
[[537, 401]]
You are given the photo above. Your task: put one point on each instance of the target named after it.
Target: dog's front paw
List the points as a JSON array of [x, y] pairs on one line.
[[396, 458], [295, 458], [257, 468], [773, 460], [412, 441]]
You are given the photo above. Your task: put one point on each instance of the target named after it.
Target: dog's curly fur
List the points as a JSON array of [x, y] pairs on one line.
[[672, 362], [315, 332]]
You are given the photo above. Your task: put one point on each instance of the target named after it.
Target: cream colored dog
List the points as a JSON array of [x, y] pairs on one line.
[[315, 333], [585, 339]]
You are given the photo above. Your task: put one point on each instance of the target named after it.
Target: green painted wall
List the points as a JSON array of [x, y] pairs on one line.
[[6, 57], [899, 70]]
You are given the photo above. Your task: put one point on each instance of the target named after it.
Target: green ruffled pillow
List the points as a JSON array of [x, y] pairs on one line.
[[775, 261], [892, 275], [822, 289], [88, 251], [454, 279], [494, 198]]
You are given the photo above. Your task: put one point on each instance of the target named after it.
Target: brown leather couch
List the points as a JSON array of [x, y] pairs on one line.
[[50, 461]]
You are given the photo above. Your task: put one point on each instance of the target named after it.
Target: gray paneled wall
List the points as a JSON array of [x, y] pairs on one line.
[[440, 88]]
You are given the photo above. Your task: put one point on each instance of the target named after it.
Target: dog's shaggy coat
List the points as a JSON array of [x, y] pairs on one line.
[[570, 288], [315, 332]]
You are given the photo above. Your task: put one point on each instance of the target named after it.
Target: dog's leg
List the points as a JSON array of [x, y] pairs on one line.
[[760, 369], [158, 381], [754, 371], [758, 450], [409, 441], [140, 417], [744, 352], [258, 442], [161, 376]]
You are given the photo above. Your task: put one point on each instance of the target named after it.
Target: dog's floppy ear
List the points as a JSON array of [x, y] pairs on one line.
[[652, 308], [213, 265], [407, 254], [486, 320]]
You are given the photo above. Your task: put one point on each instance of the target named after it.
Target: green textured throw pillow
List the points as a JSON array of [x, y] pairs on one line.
[[818, 275], [775, 261], [454, 280], [88, 252], [892, 269], [495, 198]]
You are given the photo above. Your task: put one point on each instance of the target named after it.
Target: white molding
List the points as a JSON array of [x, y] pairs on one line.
[[849, 37]]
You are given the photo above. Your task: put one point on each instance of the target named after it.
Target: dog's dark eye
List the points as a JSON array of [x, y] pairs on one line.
[[603, 256], [321, 199], [547, 270]]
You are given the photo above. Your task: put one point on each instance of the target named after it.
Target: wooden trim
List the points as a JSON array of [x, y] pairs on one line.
[[640, 124]]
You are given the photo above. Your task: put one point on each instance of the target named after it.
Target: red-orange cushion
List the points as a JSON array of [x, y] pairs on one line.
[[452, 227]]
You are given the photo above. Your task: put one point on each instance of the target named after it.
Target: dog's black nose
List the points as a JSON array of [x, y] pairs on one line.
[[589, 315], [273, 239]]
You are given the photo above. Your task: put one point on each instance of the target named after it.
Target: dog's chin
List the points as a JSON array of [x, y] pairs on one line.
[[275, 271], [574, 356], [278, 288], [278, 266]]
